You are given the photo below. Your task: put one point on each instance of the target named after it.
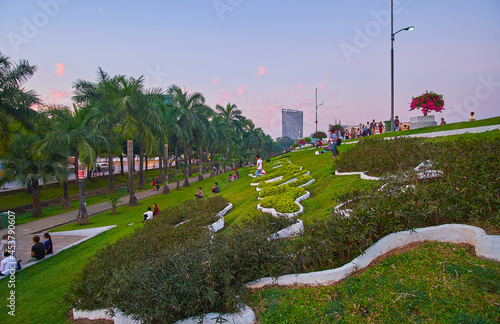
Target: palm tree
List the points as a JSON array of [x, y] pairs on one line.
[[73, 131], [102, 98], [233, 122], [192, 115], [15, 101], [139, 120], [27, 168]]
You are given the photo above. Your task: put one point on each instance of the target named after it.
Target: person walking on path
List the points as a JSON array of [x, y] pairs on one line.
[[153, 184], [380, 127], [259, 166], [396, 123], [333, 143]]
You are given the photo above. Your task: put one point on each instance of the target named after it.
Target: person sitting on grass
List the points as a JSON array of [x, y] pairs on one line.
[[148, 215], [216, 188], [236, 173], [156, 210], [231, 178], [48, 244], [199, 194], [37, 250], [8, 265]]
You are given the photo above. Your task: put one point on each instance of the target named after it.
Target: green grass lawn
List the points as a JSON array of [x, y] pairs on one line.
[[40, 289], [435, 283]]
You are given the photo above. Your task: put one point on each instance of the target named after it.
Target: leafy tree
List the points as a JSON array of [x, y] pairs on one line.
[[15, 101], [29, 169], [192, 116]]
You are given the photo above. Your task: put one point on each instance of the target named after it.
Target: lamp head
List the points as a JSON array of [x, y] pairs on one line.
[[409, 28]]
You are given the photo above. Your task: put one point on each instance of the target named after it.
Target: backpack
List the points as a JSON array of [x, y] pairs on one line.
[[339, 141]]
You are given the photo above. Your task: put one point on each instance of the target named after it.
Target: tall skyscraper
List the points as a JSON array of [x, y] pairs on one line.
[[292, 123]]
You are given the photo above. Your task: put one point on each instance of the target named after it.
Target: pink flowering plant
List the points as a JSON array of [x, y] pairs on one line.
[[429, 101]]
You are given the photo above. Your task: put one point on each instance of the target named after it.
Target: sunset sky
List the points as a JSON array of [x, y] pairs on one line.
[[268, 55]]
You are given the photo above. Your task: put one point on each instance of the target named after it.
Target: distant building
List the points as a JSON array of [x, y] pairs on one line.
[[292, 123]]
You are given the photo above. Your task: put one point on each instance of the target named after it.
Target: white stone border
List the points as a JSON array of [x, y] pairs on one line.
[[487, 246], [273, 211], [88, 233], [421, 170]]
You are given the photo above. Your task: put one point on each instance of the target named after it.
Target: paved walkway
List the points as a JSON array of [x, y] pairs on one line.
[[24, 232]]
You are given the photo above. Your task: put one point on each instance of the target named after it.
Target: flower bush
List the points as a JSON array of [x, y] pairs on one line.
[[429, 101]]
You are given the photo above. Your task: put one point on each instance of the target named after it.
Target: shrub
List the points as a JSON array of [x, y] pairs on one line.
[[382, 157], [162, 273]]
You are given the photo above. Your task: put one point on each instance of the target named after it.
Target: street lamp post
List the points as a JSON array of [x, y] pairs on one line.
[[392, 61], [321, 104]]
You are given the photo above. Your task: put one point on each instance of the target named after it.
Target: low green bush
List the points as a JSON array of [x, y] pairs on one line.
[[282, 203], [303, 179], [382, 157], [162, 273]]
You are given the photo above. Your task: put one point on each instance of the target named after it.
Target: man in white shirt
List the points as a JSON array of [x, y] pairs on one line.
[[259, 166], [8, 265], [148, 215]]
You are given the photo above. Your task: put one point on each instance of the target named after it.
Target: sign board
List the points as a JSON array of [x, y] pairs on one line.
[[81, 174]]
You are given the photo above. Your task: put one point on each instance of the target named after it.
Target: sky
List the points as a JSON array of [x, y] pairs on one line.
[[269, 55]]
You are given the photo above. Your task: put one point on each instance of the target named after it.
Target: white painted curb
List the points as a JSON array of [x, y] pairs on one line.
[[487, 246]]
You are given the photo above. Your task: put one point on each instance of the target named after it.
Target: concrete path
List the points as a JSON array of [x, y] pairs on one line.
[[24, 232]]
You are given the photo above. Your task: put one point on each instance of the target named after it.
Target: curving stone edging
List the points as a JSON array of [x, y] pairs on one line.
[[218, 225], [290, 231], [244, 316], [487, 246]]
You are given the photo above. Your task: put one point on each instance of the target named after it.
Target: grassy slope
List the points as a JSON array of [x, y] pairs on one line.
[[40, 287], [436, 282]]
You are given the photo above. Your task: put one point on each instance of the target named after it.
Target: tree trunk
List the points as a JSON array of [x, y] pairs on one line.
[[200, 164], [113, 211], [186, 166], [147, 167], [35, 194], [83, 217], [227, 154], [212, 173], [122, 173], [176, 155], [66, 203], [111, 186], [178, 185], [140, 185], [130, 163], [166, 189], [160, 169]]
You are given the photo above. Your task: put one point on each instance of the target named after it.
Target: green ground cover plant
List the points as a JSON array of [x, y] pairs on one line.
[[436, 282]]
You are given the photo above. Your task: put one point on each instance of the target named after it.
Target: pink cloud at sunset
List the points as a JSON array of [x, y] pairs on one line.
[[272, 109], [216, 80], [301, 85], [262, 70], [55, 95], [60, 69], [322, 85], [240, 90]]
